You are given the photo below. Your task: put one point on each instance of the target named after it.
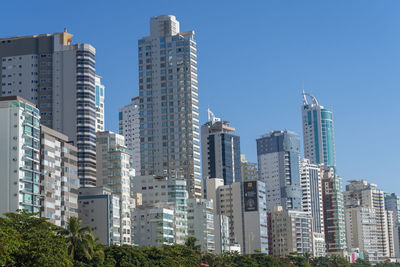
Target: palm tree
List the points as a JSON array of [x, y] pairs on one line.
[[79, 239]]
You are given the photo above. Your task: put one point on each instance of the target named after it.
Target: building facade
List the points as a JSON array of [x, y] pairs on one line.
[[99, 209], [59, 78], [19, 155], [332, 195], [168, 103], [245, 206], [158, 190], [290, 232], [154, 225], [248, 169], [392, 203], [114, 172], [318, 133], [278, 155], [58, 177], [201, 223], [360, 193], [100, 94], [361, 231], [220, 151], [129, 128]]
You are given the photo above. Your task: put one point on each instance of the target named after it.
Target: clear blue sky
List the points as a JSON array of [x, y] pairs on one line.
[[253, 58]]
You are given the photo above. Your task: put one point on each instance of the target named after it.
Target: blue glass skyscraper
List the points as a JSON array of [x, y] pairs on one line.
[[318, 133]]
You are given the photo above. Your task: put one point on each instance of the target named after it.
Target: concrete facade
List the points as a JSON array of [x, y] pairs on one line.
[[129, 127], [59, 78], [168, 103]]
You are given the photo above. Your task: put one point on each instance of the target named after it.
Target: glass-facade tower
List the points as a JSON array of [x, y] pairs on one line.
[[168, 103], [318, 133]]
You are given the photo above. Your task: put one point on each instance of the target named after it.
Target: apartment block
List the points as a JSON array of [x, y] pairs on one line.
[[154, 225], [201, 223], [168, 103], [59, 78], [100, 210], [58, 177], [360, 193], [157, 190], [392, 203], [100, 94], [248, 169], [278, 155], [290, 232], [334, 223], [114, 172], [19, 155], [129, 128]]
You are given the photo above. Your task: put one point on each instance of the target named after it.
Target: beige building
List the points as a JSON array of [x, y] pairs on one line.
[[290, 232], [360, 193], [114, 172]]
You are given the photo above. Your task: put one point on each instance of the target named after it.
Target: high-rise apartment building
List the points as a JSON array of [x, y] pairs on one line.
[[290, 232], [361, 231], [99, 209], [129, 128], [58, 177], [332, 195], [100, 92], [248, 169], [278, 155], [392, 203], [19, 155], [201, 223], [360, 193], [168, 103], [158, 190], [220, 151], [310, 175], [154, 225], [114, 172], [318, 133], [244, 204], [59, 78]]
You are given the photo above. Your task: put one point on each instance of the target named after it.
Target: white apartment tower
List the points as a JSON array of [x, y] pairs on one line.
[[114, 172], [310, 177], [19, 155], [168, 103], [100, 91], [59, 78], [129, 128]]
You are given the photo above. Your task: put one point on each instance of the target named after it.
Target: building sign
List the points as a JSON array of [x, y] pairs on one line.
[[250, 196]]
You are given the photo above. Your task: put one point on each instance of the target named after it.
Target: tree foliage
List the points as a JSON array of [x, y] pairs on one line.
[[26, 240]]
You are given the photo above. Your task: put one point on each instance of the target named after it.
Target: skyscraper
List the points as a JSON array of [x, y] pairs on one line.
[[114, 172], [310, 175], [19, 155], [129, 127], [278, 155], [220, 151], [392, 203], [332, 195], [168, 103], [318, 134], [58, 77]]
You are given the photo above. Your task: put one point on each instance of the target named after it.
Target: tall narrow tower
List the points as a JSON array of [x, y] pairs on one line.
[[318, 134], [168, 103]]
